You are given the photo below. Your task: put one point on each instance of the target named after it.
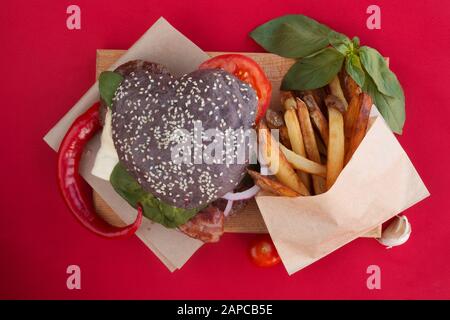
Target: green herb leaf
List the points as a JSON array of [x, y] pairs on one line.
[[154, 209], [108, 82], [384, 88], [354, 69], [391, 108], [292, 36], [355, 41], [376, 66], [314, 71], [340, 42]]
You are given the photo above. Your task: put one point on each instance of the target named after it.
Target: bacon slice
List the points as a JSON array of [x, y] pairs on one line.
[[207, 225]]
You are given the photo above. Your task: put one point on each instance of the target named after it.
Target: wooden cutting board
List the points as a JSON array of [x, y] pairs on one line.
[[248, 220]]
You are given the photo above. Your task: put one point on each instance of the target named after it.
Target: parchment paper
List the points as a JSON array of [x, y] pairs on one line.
[[163, 44], [378, 183]]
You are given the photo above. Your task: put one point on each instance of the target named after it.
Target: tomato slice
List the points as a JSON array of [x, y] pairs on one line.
[[263, 252], [247, 70]]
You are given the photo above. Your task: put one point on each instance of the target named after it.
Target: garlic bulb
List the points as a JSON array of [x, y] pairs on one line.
[[397, 233]]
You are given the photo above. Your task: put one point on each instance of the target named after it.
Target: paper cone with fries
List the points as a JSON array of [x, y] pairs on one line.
[[364, 179]]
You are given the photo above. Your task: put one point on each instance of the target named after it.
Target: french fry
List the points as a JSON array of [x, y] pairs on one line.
[[350, 117], [288, 100], [309, 140], [274, 119], [319, 95], [335, 102], [276, 160], [323, 158], [336, 90], [295, 136], [304, 164], [317, 117], [272, 186], [320, 145], [336, 149], [284, 136], [350, 87], [360, 126]]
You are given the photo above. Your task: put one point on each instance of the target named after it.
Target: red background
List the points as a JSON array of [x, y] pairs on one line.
[[46, 68]]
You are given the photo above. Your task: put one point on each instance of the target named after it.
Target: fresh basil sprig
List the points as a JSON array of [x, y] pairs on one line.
[[322, 52], [108, 82]]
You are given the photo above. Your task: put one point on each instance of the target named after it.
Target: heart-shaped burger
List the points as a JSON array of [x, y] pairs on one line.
[[153, 112]]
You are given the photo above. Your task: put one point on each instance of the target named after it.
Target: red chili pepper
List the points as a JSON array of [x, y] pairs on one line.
[[73, 187]]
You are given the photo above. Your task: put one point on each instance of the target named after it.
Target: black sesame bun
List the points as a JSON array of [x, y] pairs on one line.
[[150, 105]]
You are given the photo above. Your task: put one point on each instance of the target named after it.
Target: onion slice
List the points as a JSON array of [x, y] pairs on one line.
[[227, 210], [247, 194]]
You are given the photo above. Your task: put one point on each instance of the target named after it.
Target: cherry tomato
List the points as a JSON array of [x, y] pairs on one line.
[[248, 71], [263, 252]]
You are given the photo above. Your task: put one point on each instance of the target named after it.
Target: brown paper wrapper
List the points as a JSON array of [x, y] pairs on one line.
[[378, 183]]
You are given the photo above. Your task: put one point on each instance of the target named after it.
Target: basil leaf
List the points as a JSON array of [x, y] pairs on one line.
[[108, 82], [314, 71], [340, 42], [355, 41], [384, 88], [391, 108], [354, 69], [154, 209], [376, 66], [292, 36]]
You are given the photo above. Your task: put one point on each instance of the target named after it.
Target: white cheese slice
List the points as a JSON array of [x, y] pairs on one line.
[[107, 157]]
